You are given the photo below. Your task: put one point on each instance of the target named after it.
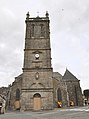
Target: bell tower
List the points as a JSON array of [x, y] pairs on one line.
[[37, 84], [37, 43]]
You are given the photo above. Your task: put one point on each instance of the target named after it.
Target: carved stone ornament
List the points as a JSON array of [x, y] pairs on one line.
[[37, 75]]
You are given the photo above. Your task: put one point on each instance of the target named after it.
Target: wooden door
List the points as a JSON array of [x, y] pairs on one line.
[[17, 105], [37, 103]]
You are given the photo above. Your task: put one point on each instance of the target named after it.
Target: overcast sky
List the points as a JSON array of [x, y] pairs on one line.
[[69, 25]]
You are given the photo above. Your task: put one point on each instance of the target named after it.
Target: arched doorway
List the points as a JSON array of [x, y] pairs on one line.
[[37, 101]]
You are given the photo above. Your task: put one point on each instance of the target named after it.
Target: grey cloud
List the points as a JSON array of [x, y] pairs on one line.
[[69, 34]]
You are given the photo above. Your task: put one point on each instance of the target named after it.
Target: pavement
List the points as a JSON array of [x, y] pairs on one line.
[[58, 113]]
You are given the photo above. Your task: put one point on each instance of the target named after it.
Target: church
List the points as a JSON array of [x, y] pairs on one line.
[[38, 87]]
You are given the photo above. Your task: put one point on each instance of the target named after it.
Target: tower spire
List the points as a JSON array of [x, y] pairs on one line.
[[47, 14], [27, 15]]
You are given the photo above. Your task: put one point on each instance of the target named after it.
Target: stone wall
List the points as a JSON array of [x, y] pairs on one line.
[[46, 99], [17, 84], [74, 92]]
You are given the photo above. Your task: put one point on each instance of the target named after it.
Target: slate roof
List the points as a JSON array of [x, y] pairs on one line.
[[57, 75], [18, 79], [68, 76]]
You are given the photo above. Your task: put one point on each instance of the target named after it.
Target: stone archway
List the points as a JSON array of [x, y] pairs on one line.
[[37, 101]]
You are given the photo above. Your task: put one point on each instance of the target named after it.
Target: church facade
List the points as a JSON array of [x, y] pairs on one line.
[[38, 87]]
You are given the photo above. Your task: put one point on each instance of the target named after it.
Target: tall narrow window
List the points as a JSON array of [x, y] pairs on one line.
[[76, 97], [32, 30], [59, 96], [17, 94], [42, 30]]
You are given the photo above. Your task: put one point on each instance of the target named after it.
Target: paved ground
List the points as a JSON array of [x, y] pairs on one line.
[[75, 113]]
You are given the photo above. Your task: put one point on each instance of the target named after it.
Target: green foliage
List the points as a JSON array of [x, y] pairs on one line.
[[86, 93]]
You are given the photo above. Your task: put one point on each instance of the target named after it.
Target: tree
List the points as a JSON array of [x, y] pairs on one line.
[[86, 93]]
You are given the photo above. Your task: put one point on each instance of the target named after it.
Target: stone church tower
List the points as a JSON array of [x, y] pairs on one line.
[[37, 83]]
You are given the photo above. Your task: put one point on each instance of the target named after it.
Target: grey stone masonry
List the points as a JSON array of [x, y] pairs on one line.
[[37, 70]]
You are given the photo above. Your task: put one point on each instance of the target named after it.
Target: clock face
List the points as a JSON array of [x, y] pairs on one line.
[[37, 56]]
